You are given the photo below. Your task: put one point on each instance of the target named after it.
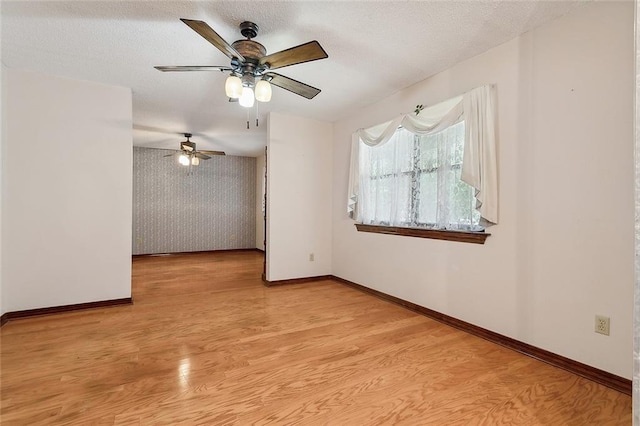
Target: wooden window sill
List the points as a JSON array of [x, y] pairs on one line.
[[434, 234]]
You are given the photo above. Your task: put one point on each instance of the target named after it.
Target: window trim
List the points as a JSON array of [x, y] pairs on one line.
[[474, 237]]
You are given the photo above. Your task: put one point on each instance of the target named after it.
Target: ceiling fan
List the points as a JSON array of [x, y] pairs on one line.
[[250, 63], [188, 155]]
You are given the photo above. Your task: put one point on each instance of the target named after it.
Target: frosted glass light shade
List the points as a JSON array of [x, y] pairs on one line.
[[263, 91], [247, 98], [233, 87], [195, 161], [184, 160]]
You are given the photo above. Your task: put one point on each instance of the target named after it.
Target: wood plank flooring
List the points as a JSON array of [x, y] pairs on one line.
[[206, 343]]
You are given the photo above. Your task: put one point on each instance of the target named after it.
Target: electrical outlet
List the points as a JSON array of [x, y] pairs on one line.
[[311, 257], [602, 325]]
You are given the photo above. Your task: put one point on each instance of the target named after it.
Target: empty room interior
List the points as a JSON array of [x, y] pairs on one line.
[[319, 212]]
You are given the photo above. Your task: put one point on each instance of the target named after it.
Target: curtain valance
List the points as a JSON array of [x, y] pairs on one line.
[[479, 167]]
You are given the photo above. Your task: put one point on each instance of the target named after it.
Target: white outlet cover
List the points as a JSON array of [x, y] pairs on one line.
[[602, 325]]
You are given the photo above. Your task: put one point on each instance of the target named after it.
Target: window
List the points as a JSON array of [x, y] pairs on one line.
[[414, 181], [431, 173]]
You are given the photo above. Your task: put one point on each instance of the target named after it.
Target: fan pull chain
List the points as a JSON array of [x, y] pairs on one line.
[[257, 114], [247, 118]]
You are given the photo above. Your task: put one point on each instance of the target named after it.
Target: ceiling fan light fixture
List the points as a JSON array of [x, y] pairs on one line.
[[263, 91], [233, 87], [195, 161], [247, 98], [250, 62], [184, 160]]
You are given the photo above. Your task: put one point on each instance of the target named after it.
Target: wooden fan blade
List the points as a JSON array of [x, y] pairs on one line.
[[307, 52], [172, 155], [292, 85], [212, 152], [192, 68], [201, 156], [212, 37]]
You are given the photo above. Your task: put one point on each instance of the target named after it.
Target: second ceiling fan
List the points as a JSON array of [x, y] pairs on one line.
[[188, 155], [251, 68]]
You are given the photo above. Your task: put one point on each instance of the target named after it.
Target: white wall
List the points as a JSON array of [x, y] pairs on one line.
[[563, 251], [3, 84], [2, 141], [299, 197], [636, 313], [259, 200], [66, 198]]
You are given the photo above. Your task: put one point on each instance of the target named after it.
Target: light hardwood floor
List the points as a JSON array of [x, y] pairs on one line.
[[206, 343]]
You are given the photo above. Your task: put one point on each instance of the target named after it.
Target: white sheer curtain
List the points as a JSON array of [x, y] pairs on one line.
[[479, 167], [440, 162], [385, 181]]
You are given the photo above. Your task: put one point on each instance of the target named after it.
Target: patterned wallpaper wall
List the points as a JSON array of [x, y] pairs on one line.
[[211, 209]]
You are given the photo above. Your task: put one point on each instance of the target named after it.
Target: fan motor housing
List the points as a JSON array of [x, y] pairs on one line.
[[187, 146], [251, 50]]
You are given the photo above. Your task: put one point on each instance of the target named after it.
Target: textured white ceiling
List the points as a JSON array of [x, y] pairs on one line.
[[375, 49]]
